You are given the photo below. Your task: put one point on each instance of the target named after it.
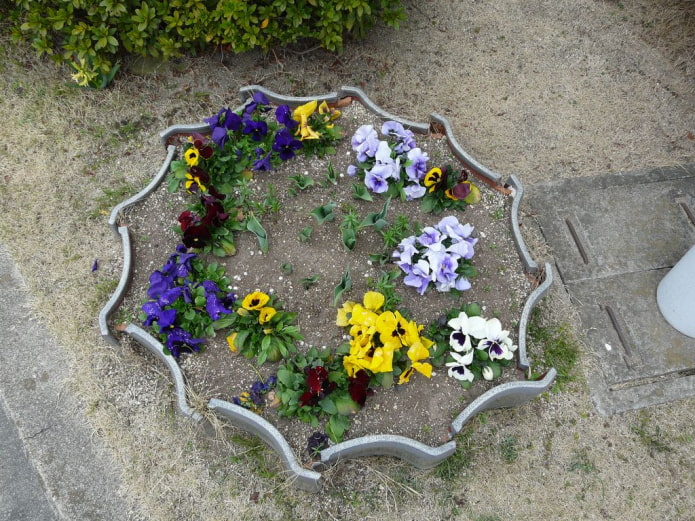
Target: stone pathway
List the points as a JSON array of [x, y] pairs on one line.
[[614, 237]]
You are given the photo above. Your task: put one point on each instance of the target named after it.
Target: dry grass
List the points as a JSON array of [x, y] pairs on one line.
[[540, 89]]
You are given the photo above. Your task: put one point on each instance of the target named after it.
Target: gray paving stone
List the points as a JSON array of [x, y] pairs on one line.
[[614, 238]]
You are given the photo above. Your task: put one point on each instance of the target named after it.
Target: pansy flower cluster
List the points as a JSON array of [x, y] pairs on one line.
[[254, 399], [440, 256], [479, 348], [188, 301], [383, 344], [395, 161], [261, 328], [313, 385], [398, 167], [239, 144]]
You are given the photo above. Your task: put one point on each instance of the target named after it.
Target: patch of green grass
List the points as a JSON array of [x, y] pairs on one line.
[[581, 461], [508, 449], [651, 437], [560, 348], [255, 454], [462, 458], [110, 197]]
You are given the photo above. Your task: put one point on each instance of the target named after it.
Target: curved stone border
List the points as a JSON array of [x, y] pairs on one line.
[[417, 454], [251, 422], [146, 340], [119, 293], [531, 302], [510, 394], [422, 456]]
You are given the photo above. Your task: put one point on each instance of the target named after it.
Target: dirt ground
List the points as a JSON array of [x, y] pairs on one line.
[[539, 89]]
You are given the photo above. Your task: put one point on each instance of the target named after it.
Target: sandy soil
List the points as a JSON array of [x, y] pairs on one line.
[[540, 89]]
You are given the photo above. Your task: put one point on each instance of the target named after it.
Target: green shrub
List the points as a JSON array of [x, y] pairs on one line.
[[90, 36]]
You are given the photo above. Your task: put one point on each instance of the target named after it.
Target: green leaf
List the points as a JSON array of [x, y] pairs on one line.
[[265, 343], [307, 282], [328, 406], [286, 377], [361, 192], [324, 213], [336, 427], [344, 285], [240, 339], [287, 268], [349, 238], [332, 176], [305, 234], [255, 227]]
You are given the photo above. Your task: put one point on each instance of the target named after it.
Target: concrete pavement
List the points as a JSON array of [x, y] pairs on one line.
[[52, 466]]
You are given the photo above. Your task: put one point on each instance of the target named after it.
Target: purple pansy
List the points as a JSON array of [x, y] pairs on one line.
[[262, 164], [286, 145], [257, 130], [283, 114], [179, 339], [163, 317]]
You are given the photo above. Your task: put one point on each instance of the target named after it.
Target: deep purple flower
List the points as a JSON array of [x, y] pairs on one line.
[[95, 265], [262, 164], [215, 307], [285, 144], [229, 300], [284, 116], [163, 317], [220, 136], [183, 261], [210, 287], [258, 99], [170, 296], [179, 339], [316, 443], [159, 282], [256, 129]]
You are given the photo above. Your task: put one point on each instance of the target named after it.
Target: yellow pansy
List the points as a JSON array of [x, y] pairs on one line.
[[255, 301], [343, 318], [373, 300], [354, 364], [301, 114], [194, 180], [192, 156], [266, 314], [433, 178], [362, 316], [304, 111], [331, 114], [382, 360]]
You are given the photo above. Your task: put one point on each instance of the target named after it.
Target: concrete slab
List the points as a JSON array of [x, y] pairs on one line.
[[51, 445], [614, 238]]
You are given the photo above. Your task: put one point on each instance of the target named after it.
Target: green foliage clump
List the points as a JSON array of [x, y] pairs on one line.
[[90, 36]]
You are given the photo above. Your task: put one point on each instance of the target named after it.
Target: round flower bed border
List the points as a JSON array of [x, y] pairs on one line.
[[510, 394]]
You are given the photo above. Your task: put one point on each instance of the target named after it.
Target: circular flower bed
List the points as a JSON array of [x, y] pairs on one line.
[[333, 273]]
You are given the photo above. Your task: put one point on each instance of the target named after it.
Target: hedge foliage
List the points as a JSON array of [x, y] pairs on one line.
[[90, 35]]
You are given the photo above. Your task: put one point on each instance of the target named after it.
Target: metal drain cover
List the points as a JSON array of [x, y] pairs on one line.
[[614, 237]]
